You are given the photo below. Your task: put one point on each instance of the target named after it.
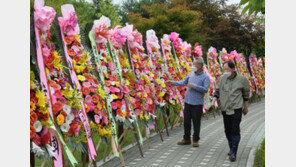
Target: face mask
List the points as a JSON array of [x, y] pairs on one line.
[[193, 68], [227, 74]]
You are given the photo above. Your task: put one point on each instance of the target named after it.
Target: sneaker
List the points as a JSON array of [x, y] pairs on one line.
[[184, 142], [195, 144]]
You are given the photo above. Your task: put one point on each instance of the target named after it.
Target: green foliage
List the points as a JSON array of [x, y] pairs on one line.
[[165, 19], [253, 6], [209, 22], [260, 156], [106, 8]]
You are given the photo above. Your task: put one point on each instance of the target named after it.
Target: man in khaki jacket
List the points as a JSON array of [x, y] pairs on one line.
[[232, 89]]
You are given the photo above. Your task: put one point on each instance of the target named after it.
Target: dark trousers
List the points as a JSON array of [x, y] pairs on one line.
[[193, 112], [232, 129]]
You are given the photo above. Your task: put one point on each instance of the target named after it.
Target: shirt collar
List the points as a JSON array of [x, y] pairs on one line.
[[235, 74], [199, 72]]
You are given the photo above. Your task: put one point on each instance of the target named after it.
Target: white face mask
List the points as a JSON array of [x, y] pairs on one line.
[[227, 73], [193, 68]]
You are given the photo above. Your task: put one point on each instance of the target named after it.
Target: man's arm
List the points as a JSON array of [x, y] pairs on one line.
[[183, 82], [246, 89], [246, 93], [205, 86]]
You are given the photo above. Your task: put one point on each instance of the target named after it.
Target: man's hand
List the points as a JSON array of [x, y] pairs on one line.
[[213, 102], [168, 83], [190, 85], [245, 111]]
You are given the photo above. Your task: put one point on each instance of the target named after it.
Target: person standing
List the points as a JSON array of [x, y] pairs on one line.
[[197, 83], [232, 89]]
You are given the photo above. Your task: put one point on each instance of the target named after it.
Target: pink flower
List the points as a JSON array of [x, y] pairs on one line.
[[114, 89], [57, 94], [91, 106], [93, 89], [97, 119], [88, 99], [69, 22], [105, 120], [43, 16], [125, 89], [137, 112], [173, 36], [86, 84], [114, 105], [37, 140], [197, 50], [117, 36], [44, 131]]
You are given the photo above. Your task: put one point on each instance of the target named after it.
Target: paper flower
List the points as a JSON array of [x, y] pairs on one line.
[[43, 15], [37, 125], [197, 50]]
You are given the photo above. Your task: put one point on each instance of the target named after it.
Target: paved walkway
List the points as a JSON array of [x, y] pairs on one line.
[[213, 147]]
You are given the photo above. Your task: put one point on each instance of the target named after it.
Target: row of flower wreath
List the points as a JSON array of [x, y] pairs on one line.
[[65, 99]]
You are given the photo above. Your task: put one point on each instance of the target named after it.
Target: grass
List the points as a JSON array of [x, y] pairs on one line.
[[260, 156]]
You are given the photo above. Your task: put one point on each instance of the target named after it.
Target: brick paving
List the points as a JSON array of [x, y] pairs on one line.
[[213, 147]]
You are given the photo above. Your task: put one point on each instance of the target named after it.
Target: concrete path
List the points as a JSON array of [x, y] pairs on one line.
[[213, 148]]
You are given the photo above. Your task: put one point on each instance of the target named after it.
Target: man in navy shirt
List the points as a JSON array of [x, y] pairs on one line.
[[197, 83]]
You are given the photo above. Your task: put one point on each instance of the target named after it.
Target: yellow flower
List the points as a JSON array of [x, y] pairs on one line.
[[43, 109], [32, 106], [32, 84], [79, 69], [146, 117], [102, 131], [47, 71], [161, 94], [109, 58], [173, 102], [150, 102], [114, 96], [117, 83], [67, 93], [162, 85], [81, 78], [77, 37], [145, 94], [158, 81], [151, 74], [60, 119], [32, 76], [123, 114], [109, 133], [99, 106], [41, 98], [57, 63], [92, 125], [141, 117], [100, 92], [127, 82], [83, 60]]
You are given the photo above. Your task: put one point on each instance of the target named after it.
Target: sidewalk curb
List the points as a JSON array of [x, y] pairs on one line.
[[251, 158]]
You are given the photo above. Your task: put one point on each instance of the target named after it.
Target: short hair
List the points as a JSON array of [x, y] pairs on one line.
[[230, 64], [199, 60]]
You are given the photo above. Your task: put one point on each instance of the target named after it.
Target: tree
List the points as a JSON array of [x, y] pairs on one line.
[[257, 6], [136, 6], [106, 8], [165, 19]]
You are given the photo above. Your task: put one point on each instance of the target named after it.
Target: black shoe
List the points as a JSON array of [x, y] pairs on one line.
[[232, 158], [184, 142]]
